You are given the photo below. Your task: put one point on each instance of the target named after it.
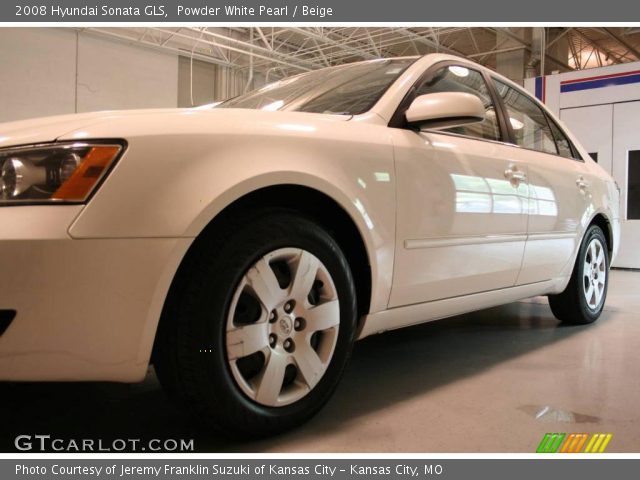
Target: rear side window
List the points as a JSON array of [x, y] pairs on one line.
[[565, 147], [562, 142], [528, 121], [462, 79]]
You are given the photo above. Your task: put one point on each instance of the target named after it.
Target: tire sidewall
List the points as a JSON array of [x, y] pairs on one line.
[[590, 314], [301, 233]]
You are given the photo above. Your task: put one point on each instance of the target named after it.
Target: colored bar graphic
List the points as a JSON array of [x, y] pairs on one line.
[[590, 444], [543, 443], [550, 443], [581, 442], [566, 448], [558, 442], [606, 441], [573, 443]]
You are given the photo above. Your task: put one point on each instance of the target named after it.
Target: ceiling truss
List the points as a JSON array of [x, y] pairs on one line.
[[282, 51]]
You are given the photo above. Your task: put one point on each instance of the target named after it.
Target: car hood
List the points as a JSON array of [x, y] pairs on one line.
[[48, 129]]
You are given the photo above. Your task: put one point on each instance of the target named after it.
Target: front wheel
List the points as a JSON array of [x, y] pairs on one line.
[[259, 329], [583, 299]]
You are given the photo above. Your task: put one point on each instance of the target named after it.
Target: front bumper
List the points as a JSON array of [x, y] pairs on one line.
[[86, 309]]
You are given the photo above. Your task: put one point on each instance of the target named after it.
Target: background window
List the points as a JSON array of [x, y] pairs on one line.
[[633, 186], [462, 79], [528, 121]]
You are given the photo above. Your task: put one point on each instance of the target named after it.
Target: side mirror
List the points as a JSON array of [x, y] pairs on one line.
[[444, 110]]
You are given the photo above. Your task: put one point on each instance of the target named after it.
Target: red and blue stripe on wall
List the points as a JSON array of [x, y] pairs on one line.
[[600, 81], [541, 88]]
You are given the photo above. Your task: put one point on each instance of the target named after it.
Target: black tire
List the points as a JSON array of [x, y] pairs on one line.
[[571, 305], [195, 317]]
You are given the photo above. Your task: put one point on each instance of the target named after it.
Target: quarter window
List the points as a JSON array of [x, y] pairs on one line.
[[562, 142], [462, 79], [528, 121]]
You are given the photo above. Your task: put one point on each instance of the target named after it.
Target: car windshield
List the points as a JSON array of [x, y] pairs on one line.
[[345, 90]]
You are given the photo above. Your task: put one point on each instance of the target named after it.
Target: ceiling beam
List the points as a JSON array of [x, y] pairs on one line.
[[527, 45], [623, 42], [597, 46], [325, 39], [425, 41], [559, 36]]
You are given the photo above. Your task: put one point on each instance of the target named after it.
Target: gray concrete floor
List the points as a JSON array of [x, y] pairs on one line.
[[490, 381]]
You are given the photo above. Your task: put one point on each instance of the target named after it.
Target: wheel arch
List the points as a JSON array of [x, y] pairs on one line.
[[309, 202], [605, 225]]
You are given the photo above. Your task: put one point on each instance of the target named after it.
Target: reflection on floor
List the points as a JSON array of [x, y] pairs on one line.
[[490, 381]]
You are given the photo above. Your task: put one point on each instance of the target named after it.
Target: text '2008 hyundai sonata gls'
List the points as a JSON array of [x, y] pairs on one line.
[[242, 249]]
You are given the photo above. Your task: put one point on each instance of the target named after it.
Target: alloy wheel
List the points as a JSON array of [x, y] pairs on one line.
[[594, 274], [282, 327]]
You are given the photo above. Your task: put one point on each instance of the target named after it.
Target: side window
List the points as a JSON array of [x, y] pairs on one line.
[[565, 147], [462, 79], [528, 121], [562, 142]]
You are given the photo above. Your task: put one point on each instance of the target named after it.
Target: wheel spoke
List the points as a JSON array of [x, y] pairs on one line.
[[589, 294], [265, 284], [245, 340], [309, 364], [323, 316], [600, 259], [304, 275], [598, 295], [586, 270], [270, 383]]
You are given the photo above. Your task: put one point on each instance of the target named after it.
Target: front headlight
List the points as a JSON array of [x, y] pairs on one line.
[[58, 172]]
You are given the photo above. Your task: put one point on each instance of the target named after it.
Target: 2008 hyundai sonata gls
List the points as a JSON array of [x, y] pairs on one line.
[[244, 248]]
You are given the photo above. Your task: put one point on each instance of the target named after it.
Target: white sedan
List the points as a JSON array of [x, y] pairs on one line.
[[242, 249]]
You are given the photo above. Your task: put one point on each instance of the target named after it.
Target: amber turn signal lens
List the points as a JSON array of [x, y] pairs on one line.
[[92, 168]]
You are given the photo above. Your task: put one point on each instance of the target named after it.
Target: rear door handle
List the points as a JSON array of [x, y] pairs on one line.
[[582, 183]]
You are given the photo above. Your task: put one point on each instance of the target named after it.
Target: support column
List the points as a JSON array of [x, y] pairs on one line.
[[513, 55]]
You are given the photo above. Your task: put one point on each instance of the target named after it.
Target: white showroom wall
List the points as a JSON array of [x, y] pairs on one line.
[[112, 75], [37, 72], [54, 71]]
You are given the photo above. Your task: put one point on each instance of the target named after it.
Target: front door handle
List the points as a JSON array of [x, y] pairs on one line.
[[514, 175]]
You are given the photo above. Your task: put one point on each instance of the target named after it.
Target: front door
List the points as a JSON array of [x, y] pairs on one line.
[[461, 204]]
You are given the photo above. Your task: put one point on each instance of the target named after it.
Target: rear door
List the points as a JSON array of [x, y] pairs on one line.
[[558, 186]]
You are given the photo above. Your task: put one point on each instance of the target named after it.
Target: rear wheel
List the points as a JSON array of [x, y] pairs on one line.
[[583, 299], [259, 328]]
